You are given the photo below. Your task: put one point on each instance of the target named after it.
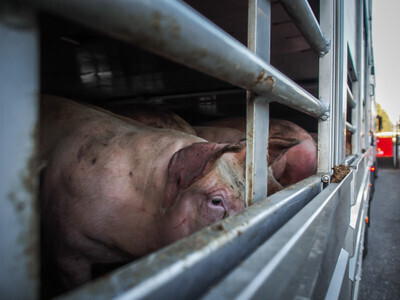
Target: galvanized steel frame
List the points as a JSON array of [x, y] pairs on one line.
[[300, 258], [176, 31], [259, 32], [327, 83], [231, 240], [19, 101], [186, 269], [304, 18]]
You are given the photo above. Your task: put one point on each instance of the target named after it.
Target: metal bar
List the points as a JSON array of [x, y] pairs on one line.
[[200, 260], [354, 95], [257, 149], [19, 90], [259, 28], [259, 32], [338, 277], [351, 128], [327, 82], [341, 77], [289, 263], [176, 31], [304, 18], [350, 98]]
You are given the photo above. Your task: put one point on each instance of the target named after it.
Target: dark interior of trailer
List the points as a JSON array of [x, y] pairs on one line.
[[85, 65]]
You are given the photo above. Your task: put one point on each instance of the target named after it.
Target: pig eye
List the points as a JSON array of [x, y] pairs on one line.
[[217, 201]]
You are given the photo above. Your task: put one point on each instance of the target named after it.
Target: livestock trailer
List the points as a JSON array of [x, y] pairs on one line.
[[387, 146], [307, 62]]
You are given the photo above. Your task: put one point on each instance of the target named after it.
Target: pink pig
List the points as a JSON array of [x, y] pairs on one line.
[[113, 189], [292, 151]]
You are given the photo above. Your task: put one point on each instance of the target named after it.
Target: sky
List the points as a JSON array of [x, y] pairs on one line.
[[386, 43]]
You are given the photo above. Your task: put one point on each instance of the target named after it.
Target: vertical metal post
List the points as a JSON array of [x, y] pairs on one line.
[[327, 82], [341, 75], [358, 93], [259, 29], [369, 93], [19, 90]]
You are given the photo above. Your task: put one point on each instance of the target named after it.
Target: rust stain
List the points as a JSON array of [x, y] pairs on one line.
[[339, 172], [156, 21], [271, 81], [219, 227], [259, 77], [174, 27]]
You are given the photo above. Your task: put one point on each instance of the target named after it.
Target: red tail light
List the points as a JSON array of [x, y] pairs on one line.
[[372, 169]]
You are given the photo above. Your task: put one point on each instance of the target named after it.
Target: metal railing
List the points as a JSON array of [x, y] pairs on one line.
[[304, 18], [176, 31]]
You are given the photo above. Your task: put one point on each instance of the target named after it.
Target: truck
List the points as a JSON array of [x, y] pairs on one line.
[[387, 147], [310, 62]]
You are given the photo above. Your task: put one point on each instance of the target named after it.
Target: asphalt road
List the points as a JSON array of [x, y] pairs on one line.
[[380, 277]]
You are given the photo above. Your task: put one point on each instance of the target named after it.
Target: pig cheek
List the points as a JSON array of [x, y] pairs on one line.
[[238, 206], [178, 222], [210, 214]]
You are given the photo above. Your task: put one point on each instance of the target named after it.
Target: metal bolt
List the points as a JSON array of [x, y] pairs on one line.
[[325, 178]]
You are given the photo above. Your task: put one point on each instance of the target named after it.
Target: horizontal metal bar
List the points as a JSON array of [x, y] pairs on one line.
[[304, 18], [351, 128], [175, 30], [349, 159], [203, 258], [350, 98], [288, 265]]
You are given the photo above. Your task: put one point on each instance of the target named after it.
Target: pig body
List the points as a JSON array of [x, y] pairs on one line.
[[220, 134], [114, 189], [154, 116], [288, 164]]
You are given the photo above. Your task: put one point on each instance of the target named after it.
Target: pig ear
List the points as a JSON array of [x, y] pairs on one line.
[[191, 163], [278, 146]]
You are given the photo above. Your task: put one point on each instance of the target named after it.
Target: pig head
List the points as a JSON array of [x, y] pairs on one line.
[[292, 152], [114, 189]]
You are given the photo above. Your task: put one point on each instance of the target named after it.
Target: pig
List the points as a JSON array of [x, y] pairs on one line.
[[220, 134], [113, 189], [292, 152], [163, 118], [153, 116], [277, 146]]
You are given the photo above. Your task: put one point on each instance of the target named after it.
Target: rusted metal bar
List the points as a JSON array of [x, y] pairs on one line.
[[175, 30]]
